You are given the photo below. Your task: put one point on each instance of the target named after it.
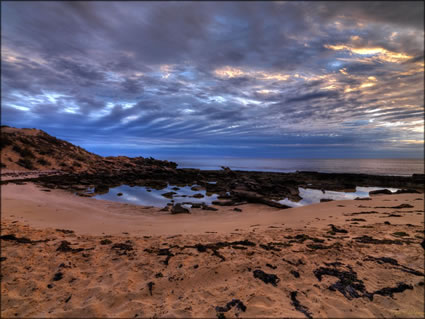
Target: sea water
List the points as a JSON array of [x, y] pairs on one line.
[[401, 167]]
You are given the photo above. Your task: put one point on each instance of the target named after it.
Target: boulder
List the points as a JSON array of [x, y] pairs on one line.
[[380, 191], [252, 197], [179, 209]]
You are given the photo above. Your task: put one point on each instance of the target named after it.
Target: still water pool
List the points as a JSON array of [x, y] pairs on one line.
[[146, 196]]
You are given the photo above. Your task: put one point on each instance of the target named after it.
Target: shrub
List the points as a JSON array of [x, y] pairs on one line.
[[43, 161], [5, 141], [77, 164], [26, 163], [17, 149], [27, 153]]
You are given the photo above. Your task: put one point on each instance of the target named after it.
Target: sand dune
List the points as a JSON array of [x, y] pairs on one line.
[[128, 261]]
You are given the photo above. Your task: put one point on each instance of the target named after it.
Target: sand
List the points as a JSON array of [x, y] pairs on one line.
[[110, 280]]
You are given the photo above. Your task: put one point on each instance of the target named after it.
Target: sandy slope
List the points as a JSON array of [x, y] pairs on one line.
[[103, 281]]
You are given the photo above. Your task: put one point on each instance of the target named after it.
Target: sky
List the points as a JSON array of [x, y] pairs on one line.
[[245, 79]]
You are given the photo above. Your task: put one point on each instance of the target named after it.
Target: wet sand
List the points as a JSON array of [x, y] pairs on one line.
[[139, 262]]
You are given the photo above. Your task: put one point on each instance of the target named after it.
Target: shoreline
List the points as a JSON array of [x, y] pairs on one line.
[[62, 209]]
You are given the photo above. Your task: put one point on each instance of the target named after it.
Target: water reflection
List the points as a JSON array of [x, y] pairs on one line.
[[312, 196], [146, 196]]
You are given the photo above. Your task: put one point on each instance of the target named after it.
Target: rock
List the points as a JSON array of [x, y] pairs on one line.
[[407, 191], [119, 194], [199, 195], [235, 302], [64, 247], [337, 230], [223, 202], [169, 195], [165, 209], [58, 276], [178, 209], [206, 207], [101, 189], [324, 200], [253, 197], [380, 191], [105, 242], [237, 209], [150, 286]]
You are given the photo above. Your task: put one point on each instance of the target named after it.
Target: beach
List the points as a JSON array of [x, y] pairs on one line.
[[71, 256]]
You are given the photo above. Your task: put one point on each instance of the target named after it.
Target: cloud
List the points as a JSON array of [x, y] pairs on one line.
[[243, 76]]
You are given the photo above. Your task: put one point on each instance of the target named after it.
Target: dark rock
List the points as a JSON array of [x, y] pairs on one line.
[[169, 195], [165, 209], [101, 189], [150, 286], [199, 195], [320, 246], [337, 230], [362, 198], [119, 194], [400, 234], [407, 191], [178, 209], [22, 240], [206, 207], [223, 202], [237, 209], [271, 266], [267, 278], [370, 240], [296, 274], [235, 302], [105, 242], [3, 258], [324, 200], [380, 191], [122, 248], [65, 231], [252, 197], [64, 247], [58, 276]]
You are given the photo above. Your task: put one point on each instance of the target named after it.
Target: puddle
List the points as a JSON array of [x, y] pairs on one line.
[[313, 196], [146, 196]]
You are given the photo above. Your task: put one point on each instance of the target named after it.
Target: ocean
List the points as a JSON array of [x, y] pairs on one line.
[[400, 167]]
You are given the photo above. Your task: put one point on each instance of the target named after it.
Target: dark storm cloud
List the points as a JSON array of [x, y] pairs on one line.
[[215, 74], [313, 96]]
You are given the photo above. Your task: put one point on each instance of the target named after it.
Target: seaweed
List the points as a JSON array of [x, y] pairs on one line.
[[267, 278], [295, 302]]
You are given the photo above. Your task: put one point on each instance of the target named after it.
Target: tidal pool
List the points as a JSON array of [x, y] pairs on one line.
[[146, 196], [312, 196]]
